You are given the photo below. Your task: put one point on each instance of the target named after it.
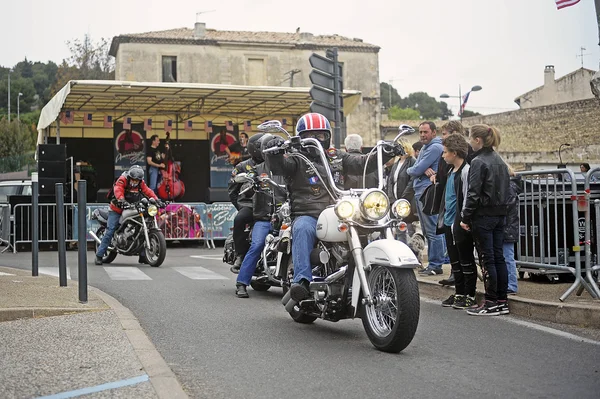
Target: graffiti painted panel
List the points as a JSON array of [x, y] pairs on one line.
[[181, 221]]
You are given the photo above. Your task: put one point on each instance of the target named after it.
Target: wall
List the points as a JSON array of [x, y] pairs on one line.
[[228, 64], [572, 87]]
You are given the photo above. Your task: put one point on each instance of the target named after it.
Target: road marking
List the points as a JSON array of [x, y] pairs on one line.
[[208, 257], [199, 273], [98, 388], [126, 273], [6, 274], [53, 271], [532, 325]]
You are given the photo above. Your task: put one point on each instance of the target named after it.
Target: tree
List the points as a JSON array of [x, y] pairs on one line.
[[446, 113], [403, 114], [467, 114], [384, 88], [427, 106], [88, 60], [16, 140]]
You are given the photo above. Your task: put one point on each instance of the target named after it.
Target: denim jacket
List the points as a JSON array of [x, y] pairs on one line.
[[428, 158]]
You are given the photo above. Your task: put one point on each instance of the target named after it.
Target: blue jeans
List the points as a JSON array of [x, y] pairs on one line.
[[436, 244], [488, 234], [304, 235], [153, 177], [111, 225], [259, 234], [508, 250]]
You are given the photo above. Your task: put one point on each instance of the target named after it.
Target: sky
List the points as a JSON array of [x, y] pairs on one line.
[[426, 45]]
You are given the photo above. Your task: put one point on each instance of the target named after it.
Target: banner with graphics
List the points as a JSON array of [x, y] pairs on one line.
[[220, 169], [129, 147]]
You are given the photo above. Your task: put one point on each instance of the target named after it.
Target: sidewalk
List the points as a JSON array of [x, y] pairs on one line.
[[96, 349], [535, 300]]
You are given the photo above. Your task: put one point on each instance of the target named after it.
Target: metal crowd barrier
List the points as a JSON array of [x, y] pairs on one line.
[[549, 240], [21, 224], [5, 216], [591, 262]]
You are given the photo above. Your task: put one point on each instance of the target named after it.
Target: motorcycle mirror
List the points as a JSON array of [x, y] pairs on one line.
[[272, 126]]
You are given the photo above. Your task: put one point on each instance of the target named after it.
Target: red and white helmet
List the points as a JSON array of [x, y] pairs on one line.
[[312, 125]]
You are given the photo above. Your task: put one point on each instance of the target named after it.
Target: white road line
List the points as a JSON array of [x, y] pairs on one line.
[[209, 257], [199, 273], [531, 325], [6, 274], [126, 273], [53, 271]]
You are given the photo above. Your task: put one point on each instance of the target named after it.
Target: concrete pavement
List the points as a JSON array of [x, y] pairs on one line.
[[96, 349]]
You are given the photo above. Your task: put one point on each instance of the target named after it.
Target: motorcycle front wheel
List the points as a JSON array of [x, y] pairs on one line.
[[158, 248], [391, 323], [109, 256]]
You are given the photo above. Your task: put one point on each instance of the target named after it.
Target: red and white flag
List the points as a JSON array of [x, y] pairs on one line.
[[208, 127], [168, 125], [108, 122], [148, 124], [188, 126], [67, 117], [229, 126], [127, 123], [248, 126], [87, 119], [560, 4]]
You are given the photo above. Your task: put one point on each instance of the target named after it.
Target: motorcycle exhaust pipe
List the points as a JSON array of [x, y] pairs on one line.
[[286, 298], [95, 237], [289, 306]]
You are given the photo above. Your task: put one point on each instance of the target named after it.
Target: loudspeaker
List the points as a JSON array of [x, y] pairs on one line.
[[48, 185], [52, 169], [52, 152]]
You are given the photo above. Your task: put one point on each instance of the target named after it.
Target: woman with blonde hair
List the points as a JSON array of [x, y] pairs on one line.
[[484, 214]]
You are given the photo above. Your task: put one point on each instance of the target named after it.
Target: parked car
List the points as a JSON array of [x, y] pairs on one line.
[[14, 187]]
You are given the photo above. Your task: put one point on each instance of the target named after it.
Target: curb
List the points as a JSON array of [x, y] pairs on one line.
[[556, 312], [11, 314], [161, 376]]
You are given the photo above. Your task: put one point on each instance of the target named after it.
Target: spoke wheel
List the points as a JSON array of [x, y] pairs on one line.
[[155, 255]]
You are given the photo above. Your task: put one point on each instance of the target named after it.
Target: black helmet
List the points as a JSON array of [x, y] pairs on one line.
[[136, 172], [253, 147]]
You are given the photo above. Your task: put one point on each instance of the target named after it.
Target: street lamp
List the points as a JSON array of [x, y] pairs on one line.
[[460, 101], [19, 106]]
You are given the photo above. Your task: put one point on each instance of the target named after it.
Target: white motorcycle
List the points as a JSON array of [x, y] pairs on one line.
[[359, 270]]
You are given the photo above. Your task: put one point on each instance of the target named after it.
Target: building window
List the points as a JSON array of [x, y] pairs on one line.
[[256, 72], [169, 69]]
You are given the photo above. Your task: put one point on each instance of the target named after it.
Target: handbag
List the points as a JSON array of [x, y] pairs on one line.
[[430, 199]]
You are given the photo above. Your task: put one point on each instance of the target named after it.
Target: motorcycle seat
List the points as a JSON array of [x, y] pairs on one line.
[[103, 213]]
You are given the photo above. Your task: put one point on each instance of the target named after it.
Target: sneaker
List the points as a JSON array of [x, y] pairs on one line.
[[460, 302], [511, 292], [240, 291], [430, 272], [489, 308], [449, 302], [503, 307], [448, 281], [470, 302], [98, 261]]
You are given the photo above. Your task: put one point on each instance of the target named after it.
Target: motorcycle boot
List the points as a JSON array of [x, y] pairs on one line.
[[98, 260], [300, 291], [240, 291], [235, 269]]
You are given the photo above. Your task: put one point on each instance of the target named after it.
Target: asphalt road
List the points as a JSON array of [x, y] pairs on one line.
[[220, 346]]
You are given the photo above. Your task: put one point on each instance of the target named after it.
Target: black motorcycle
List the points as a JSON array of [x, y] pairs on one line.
[[137, 230]]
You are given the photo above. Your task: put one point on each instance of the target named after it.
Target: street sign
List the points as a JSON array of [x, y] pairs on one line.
[[327, 111], [322, 64], [322, 79]]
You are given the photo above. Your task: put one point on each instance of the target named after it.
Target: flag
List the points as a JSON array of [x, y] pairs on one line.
[[188, 126], [168, 125], [108, 122], [127, 123], [208, 126], [87, 119], [148, 124], [560, 4], [465, 98], [229, 126], [67, 117], [248, 126], [284, 123]]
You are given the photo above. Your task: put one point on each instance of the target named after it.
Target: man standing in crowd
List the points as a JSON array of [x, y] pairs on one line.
[[155, 161], [424, 168]]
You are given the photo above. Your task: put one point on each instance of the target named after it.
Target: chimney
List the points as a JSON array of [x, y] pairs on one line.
[[199, 30], [306, 36], [549, 76]]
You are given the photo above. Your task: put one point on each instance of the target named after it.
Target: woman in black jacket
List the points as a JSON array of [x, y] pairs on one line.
[[484, 213], [399, 184]]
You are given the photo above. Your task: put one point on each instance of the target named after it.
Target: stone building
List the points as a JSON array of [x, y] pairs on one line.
[[202, 55], [572, 87]]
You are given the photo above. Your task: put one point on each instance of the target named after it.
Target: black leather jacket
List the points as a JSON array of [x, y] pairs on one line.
[[511, 227], [356, 181], [308, 195], [234, 188], [263, 202], [488, 186]]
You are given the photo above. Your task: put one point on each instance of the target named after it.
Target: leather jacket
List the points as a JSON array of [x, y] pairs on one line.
[[234, 188], [308, 194], [263, 203], [123, 190], [356, 181], [511, 227], [488, 186]]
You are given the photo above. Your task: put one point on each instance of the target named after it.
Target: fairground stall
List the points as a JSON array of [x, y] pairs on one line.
[[95, 130]]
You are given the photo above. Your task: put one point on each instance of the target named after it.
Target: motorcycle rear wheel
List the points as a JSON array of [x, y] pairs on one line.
[[259, 287], [391, 323], [158, 248], [109, 256]]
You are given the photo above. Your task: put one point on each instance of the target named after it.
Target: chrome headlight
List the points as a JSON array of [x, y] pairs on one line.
[[152, 210], [401, 208], [344, 209], [374, 204], [285, 210]]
